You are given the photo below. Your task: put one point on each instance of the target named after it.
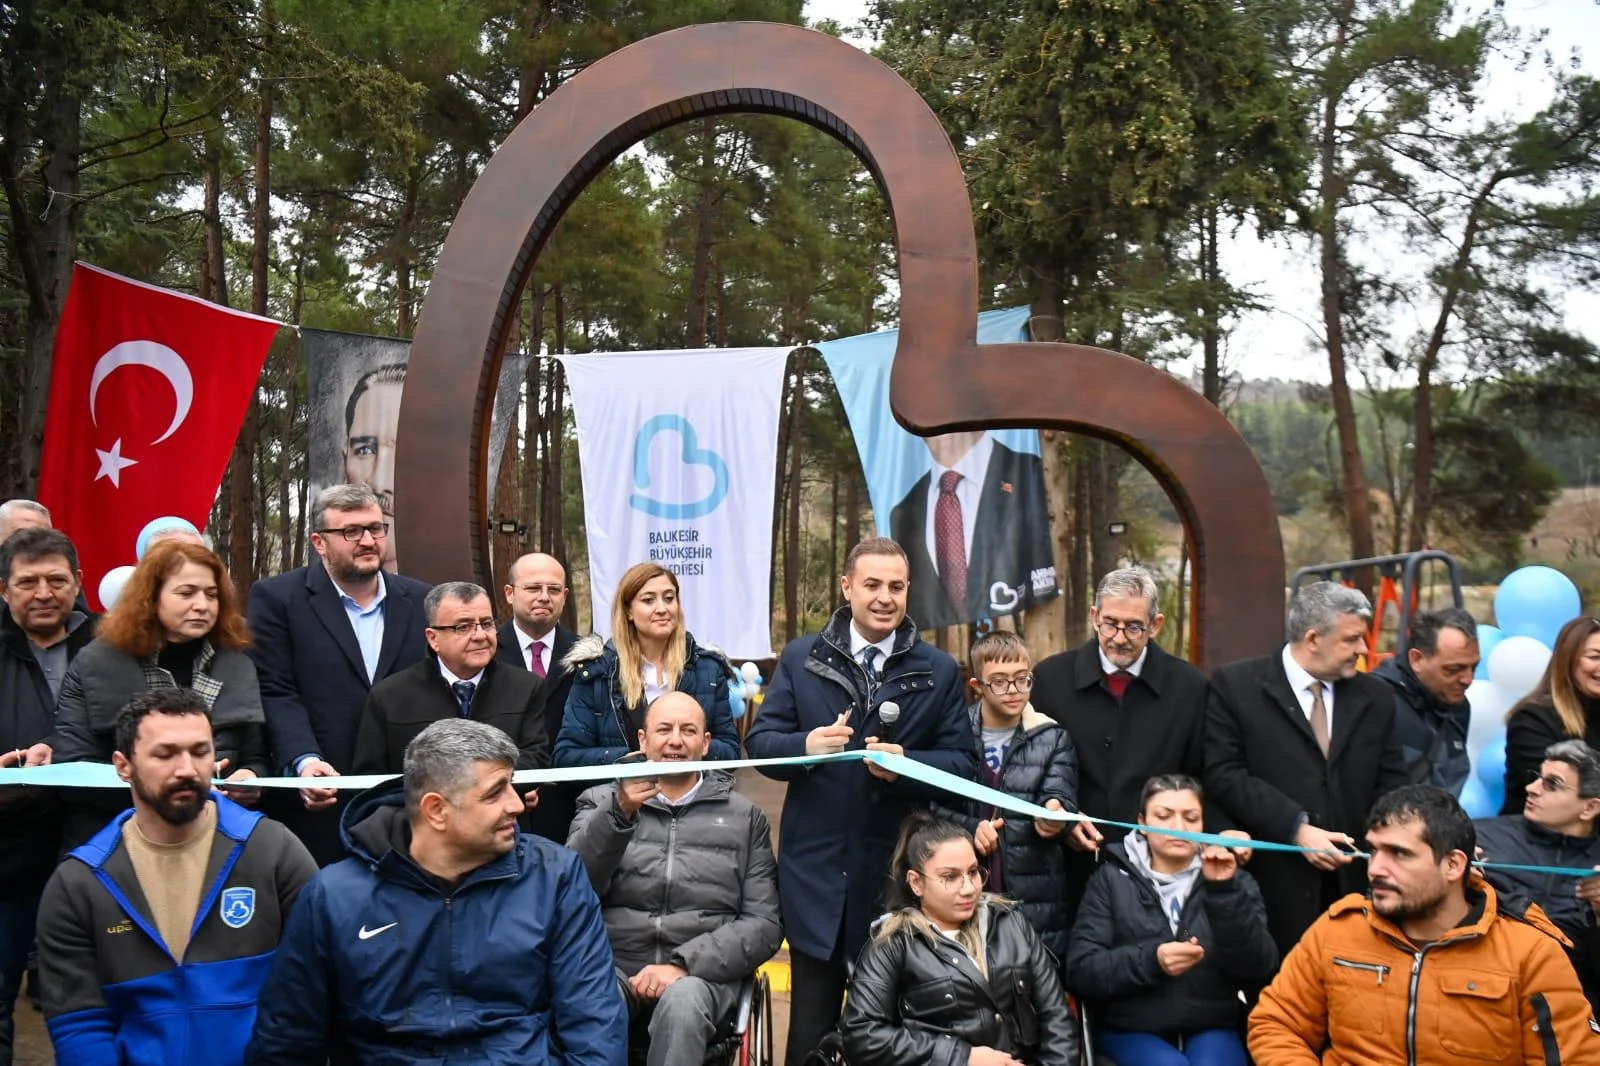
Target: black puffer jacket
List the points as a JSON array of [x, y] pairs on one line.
[[694, 885], [1039, 764], [1516, 840], [918, 999], [1432, 735], [1112, 961]]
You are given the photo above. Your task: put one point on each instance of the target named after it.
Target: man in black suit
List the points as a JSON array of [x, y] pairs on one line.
[[536, 590], [324, 635], [459, 679], [1133, 711], [976, 532], [1299, 746]]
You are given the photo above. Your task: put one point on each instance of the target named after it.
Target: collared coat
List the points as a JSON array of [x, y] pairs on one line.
[[839, 822], [552, 819]]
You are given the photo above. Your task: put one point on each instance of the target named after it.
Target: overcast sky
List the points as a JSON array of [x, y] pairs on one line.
[[1283, 342]]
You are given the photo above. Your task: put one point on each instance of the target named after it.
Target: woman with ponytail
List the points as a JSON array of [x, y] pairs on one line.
[[953, 976]]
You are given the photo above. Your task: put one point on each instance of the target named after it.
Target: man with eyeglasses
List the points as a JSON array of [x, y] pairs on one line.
[[536, 641], [1133, 711], [1555, 829], [324, 635], [459, 678]]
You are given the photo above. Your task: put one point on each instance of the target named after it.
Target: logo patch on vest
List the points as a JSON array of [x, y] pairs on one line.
[[238, 906]]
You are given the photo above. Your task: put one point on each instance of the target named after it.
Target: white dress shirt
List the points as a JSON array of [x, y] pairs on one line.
[[973, 468], [1138, 664], [859, 643], [451, 679], [1301, 683], [546, 646]]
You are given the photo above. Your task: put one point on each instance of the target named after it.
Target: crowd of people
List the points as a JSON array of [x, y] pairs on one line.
[[1340, 907]]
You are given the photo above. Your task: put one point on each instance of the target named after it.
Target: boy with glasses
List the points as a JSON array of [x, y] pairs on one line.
[[1023, 754], [1556, 828]]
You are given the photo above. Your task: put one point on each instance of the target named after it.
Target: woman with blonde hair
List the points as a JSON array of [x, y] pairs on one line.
[[1564, 705], [177, 624], [650, 652], [951, 973]]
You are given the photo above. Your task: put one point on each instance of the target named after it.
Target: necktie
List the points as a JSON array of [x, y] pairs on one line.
[[1319, 718], [1177, 913], [869, 656], [536, 658], [464, 691], [1118, 682], [950, 541]]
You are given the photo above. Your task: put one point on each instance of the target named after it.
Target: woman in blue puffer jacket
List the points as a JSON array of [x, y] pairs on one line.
[[649, 653]]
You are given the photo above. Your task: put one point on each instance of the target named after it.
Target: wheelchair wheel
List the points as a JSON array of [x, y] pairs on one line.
[[756, 1044]]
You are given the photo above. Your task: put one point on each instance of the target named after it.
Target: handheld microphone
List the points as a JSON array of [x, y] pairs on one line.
[[888, 716]]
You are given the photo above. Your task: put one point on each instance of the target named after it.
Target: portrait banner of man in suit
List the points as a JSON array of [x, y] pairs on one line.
[[355, 381], [969, 508]]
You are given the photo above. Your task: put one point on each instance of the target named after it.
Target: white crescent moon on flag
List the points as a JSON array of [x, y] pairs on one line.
[[158, 357]]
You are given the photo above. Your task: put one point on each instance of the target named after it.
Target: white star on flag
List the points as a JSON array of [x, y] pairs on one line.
[[112, 464]]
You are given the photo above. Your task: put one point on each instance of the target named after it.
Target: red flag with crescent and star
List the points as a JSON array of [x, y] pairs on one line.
[[148, 391]]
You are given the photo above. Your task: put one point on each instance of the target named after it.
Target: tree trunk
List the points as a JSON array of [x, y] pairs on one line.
[[44, 251], [1046, 625], [852, 511], [405, 287], [700, 276], [296, 309], [1078, 595], [1353, 476], [833, 539], [1210, 316]]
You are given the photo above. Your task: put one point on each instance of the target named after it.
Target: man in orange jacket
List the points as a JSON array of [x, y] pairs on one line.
[[1432, 968]]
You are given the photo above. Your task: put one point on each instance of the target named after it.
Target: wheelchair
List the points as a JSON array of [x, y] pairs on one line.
[[747, 1039]]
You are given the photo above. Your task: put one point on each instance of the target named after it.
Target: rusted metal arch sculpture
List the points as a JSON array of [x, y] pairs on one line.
[[942, 381]]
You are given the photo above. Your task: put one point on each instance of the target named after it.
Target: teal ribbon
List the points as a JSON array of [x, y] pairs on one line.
[[102, 775]]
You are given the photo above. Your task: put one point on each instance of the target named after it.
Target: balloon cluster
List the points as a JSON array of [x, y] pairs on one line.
[[1531, 605], [744, 689], [111, 584]]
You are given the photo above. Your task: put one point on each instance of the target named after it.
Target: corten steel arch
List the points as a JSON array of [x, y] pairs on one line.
[[941, 382]]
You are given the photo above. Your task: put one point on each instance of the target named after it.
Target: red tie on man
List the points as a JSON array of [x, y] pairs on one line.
[[147, 396], [536, 658], [950, 541]]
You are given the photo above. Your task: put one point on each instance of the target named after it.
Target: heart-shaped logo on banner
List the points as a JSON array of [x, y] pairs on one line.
[[691, 455]]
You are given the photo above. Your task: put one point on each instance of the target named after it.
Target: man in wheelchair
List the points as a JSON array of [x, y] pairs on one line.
[[688, 885]]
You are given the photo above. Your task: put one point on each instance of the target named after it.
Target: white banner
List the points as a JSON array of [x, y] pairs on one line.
[[678, 452]]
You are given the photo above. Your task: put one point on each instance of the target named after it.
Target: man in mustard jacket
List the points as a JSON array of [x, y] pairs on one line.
[[1431, 967]]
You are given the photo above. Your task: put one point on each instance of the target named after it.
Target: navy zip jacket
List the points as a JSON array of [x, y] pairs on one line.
[[385, 965], [113, 995]]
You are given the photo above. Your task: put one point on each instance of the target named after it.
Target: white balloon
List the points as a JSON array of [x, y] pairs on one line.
[[1517, 664], [111, 585], [1489, 707], [750, 674]]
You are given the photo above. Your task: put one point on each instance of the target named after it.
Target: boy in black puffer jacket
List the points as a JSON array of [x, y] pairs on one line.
[[1023, 754], [1166, 938]]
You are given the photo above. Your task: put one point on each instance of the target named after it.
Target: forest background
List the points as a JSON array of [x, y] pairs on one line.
[[304, 161]]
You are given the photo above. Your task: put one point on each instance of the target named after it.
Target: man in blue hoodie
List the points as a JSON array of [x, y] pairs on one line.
[[447, 936], [155, 936]]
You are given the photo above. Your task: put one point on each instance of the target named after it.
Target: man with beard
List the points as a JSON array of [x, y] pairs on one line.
[[1432, 967], [155, 936], [447, 936], [324, 635], [40, 634], [688, 884], [1431, 712]]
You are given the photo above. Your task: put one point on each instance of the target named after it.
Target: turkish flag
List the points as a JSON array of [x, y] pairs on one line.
[[147, 395]]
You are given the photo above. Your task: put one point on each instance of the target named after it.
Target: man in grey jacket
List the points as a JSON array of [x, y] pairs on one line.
[[688, 884]]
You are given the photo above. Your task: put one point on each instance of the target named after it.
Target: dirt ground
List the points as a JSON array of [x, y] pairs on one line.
[[33, 1045]]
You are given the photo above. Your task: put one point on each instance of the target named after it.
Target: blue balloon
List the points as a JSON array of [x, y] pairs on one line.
[[1489, 764], [1536, 601], [160, 525], [1488, 637], [736, 700], [1475, 800]]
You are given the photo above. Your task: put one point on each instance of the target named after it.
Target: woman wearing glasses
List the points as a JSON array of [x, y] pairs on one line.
[[952, 974], [649, 653], [1564, 705], [177, 624], [1167, 937]]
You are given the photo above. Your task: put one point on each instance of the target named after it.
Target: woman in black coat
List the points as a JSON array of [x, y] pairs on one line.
[[952, 976], [1166, 938], [1565, 705], [177, 624]]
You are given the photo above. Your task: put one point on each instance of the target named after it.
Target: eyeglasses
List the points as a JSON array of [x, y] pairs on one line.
[[464, 629], [379, 531], [549, 590], [1133, 630], [1001, 685], [951, 881], [1549, 782]]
